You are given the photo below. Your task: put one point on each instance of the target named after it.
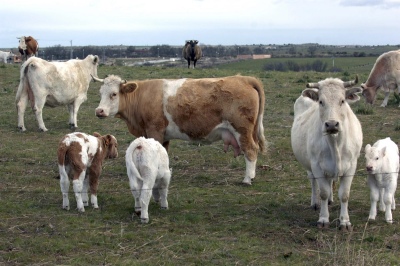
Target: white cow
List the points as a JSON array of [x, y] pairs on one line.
[[382, 163], [4, 56], [148, 170], [326, 139], [54, 84]]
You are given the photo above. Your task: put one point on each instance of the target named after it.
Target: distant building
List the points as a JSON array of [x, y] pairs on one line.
[[254, 56]]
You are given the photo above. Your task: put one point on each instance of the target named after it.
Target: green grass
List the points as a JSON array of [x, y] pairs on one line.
[[213, 219]]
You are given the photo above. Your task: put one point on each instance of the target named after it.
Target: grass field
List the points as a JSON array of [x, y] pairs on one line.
[[213, 219]]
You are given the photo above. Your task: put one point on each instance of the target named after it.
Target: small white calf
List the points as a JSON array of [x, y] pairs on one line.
[[80, 157], [382, 164], [148, 170]]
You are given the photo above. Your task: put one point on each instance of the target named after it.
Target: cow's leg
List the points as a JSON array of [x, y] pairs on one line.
[[135, 185], [94, 174], [71, 116], [163, 189], [22, 102], [64, 184], [149, 178], [37, 108], [344, 196], [85, 197], [250, 170], [373, 196], [315, 199], [325, 190], [385, 101], [382, 206], [77, 103], [78, 187], [389, 199]]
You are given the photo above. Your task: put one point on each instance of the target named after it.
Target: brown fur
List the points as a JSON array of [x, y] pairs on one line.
[[70, 155], [198, 106], [191, 52], [32, 47]]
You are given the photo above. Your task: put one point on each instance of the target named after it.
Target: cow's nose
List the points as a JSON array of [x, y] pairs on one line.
[[332, 126], [99, 112], [369, 168]]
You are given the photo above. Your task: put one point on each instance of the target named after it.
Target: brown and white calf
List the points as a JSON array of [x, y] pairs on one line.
[[80, 158], [147, 166]]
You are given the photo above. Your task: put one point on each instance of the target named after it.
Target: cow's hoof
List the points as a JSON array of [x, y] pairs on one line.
[[164, 208], [66, 208], [43, 129], [85, 203], [21, 129], [389, 221], [81, 210], [144, 220], [323, 225], [346, 227]]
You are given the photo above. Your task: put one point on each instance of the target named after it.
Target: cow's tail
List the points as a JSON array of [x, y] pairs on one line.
[[61, 155], [259, 130], [129, 159], [24, 86]]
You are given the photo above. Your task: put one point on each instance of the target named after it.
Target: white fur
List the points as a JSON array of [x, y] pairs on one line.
[[327, 157], [4, 56], [80, 186], [382, 165], [148, 172], [54, 84]]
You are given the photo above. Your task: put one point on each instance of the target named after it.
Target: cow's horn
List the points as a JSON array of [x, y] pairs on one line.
[[351, 82], [312, 85], [97, 79]]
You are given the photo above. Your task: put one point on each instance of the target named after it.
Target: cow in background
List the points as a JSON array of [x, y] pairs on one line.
[[28, 46], [6, 56], [54, 84], [326, 138], [191, 52], [385, 75]]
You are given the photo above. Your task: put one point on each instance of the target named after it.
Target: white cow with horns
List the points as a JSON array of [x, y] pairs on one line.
[[326, 139], [54, 84]]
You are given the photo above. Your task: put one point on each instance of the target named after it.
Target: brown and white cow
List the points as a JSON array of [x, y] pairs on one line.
[[54, 84], [385, 75], [27, 46], [80, 158], [209, 109], [191, 52]]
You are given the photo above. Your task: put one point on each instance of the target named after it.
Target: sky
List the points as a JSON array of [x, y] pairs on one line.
[[211, 22]]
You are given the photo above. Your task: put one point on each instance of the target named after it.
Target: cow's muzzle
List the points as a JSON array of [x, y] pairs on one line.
[[332, 127], [100, 113]]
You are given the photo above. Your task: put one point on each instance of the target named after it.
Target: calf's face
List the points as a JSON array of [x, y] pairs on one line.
[[374, 159], [112, 147]]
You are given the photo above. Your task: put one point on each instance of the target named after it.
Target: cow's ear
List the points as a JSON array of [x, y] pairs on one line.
[[352, 95], [97, 135], [367, 148], [311, 93], [128, 87], [96, 60], [383, 151]]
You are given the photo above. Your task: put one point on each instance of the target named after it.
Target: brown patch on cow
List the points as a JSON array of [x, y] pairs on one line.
[[142, 105], [200, 105], [81, 136]]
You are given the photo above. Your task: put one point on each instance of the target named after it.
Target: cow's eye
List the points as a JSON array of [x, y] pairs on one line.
[[377, 158], [342, 102], [320, 102]]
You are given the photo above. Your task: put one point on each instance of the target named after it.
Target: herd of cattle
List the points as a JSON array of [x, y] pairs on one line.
[[326, 135]]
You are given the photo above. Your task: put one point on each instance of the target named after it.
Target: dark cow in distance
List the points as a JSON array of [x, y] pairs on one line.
[[28, 46], [191, 52], [209, 109], [385, 75]]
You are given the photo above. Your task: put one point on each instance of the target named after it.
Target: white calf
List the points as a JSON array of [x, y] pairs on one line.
[[148, 170], [80, 157], [382, 163]]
